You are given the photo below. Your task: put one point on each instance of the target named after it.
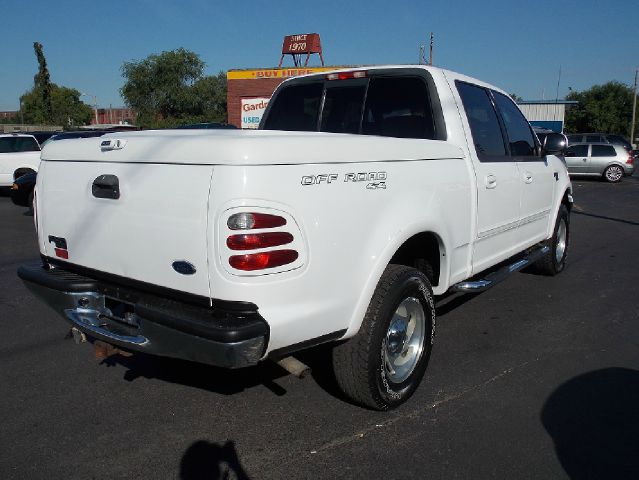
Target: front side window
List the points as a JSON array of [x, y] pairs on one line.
[[577, 151], [520, 136], [603, 151], [484, 126], [296, 108]]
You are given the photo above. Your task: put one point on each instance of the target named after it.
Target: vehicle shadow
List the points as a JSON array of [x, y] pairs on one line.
[[197, 375], [603, 217], [211, 461], [229, 382], [593, 420]]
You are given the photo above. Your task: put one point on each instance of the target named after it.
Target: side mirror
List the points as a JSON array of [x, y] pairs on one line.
[[555, 144]]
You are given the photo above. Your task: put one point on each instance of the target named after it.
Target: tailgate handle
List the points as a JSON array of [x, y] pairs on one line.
[[106, 186]]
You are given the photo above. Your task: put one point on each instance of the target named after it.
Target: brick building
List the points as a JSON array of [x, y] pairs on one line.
[[249, 91], [113, 116]]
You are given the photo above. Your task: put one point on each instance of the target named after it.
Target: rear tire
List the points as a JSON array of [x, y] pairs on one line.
[[383, 364], [555, 260]]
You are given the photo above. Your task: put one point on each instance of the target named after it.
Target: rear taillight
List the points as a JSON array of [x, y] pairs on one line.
[[251, 220], [262, 260], [246, 234], [346, 75], [630, 160], [253, 241]]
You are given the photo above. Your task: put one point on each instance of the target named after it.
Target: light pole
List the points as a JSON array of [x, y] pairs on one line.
[[95, 104], [634, 112]]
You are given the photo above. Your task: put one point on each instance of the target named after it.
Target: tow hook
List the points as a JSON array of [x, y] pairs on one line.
[[78, 336]]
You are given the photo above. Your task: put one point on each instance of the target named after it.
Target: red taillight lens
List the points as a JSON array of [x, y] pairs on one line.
[[249, 221], [252, 241], [260, 261], [346, 75], [630, 160], [62, 253]]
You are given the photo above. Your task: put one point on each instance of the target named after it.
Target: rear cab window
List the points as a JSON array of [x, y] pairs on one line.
[[18, 144], [390, 102]]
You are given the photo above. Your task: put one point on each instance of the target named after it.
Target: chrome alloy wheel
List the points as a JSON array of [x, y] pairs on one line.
[[404, 340], [614, 173], [562, 238]]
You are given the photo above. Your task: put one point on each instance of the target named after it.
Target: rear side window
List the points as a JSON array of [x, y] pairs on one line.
[[520, 136], [603, 151], [574, 138], [343, 109], [484, 125], [398, 107], [595, 139], [296, 108], [578, 151], [18, 144]]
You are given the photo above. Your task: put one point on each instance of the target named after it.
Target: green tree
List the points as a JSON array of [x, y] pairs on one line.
[[66, 107], [42, 85], [170, 88], [49, 104], [603, 108]]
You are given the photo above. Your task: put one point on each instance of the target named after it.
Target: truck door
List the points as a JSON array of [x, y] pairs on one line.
[[497, 175], [537, 177]]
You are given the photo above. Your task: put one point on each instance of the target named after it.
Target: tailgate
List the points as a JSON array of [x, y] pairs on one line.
[[159, 217]]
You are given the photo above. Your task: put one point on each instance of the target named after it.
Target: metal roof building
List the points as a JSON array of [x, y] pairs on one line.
[[546, 113]]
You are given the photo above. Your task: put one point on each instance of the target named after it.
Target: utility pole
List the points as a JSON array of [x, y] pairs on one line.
[[634, 112], [430, 57]]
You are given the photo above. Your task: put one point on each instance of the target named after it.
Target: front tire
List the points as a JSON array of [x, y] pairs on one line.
[[555, 260], [383, 364]]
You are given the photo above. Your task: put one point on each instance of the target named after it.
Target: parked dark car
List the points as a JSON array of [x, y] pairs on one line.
[[22, 190], [210, 125], [599, 138], [42, 137], [77, 134]]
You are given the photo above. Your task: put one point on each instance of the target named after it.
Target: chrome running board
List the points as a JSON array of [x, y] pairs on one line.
[[492, 279]]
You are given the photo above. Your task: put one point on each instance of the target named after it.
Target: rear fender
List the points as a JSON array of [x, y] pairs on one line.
[[396, 241]]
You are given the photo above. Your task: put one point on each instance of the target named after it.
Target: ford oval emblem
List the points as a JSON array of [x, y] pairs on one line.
[[183, 267]]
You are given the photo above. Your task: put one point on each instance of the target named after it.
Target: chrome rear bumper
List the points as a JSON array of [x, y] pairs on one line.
[[164, 327]]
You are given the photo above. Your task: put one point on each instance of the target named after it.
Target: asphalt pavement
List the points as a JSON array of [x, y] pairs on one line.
[[535, 378]]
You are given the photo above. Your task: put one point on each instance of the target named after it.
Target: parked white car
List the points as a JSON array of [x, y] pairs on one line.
[[19, 154], [364, 194]]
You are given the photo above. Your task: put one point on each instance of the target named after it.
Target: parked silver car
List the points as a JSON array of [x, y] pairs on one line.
[[599, 159]]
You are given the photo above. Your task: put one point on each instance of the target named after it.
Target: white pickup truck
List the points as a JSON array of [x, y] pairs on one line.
[[364, 194], [19, 154]]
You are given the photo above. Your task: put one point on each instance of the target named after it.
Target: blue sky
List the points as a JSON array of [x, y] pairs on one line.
[[516, 45]]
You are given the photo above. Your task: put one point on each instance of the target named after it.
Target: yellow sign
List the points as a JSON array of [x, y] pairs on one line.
[[275, 72]]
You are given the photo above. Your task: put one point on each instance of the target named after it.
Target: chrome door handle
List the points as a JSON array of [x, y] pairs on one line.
[[528, 177], [491, 181]]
